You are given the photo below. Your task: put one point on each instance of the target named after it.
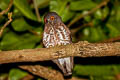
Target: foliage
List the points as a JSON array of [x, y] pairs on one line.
[[25, 31], [16, 74]]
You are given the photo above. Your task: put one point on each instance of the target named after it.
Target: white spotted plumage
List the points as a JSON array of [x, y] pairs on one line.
[[58, 34], [56, 41]]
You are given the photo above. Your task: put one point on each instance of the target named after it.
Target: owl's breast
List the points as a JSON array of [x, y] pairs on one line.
[[56, 36]]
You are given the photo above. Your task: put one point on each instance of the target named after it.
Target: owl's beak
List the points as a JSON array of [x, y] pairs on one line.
[[48, 20]]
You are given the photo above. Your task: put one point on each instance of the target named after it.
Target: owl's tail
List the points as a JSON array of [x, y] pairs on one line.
[[66, 65]]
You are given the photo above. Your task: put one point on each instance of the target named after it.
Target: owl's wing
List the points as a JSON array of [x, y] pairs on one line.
[[65, 64], [46, 36], [68, 32]]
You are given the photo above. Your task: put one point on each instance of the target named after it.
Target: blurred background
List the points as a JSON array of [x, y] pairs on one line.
[[90, 20]]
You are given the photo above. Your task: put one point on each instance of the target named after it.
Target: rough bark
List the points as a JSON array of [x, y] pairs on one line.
[[81, 49], [43, 72]]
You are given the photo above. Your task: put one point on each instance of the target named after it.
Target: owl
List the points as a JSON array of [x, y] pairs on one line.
[[56, 33]]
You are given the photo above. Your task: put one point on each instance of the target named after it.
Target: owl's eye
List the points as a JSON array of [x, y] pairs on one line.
[[52, 18], [45, 20]]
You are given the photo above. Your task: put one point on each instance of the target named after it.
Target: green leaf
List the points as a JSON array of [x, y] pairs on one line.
[[24, 7], [102, 35], [105, 12], [4, 4], [82, 5], [94, 35], [117, 13], [54, 6], [16, 74], [114, 32], [104, 78], [96, 70], [39, 46], [57, 6], [25, 41], [6, 43], [42, 3], [20, 25], [98, 14], [88, 17], [67, 14], [61, 8], [86, 32]]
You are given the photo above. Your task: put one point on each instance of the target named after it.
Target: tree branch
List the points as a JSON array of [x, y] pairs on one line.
[[81, 49], [7, 23], [6, 10], [73, 31], [89, 12], [111, 39], [44, 72], [36, 10]]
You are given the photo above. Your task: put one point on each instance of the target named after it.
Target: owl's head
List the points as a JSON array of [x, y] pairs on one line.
[[52, 18]]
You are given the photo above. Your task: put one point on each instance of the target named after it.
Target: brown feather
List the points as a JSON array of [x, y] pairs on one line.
[[56, 33]]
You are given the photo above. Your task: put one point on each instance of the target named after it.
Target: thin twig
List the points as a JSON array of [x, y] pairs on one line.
[[6, 10], [111, 39], [34, 32], [7, 23], [88, 13], [73, 31], [28, 77], [36, 10], [9, 17]]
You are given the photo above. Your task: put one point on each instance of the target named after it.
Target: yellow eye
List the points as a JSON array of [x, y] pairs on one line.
[[52, 18]]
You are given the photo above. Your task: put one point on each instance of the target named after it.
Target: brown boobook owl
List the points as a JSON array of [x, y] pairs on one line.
[[56, 33]]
